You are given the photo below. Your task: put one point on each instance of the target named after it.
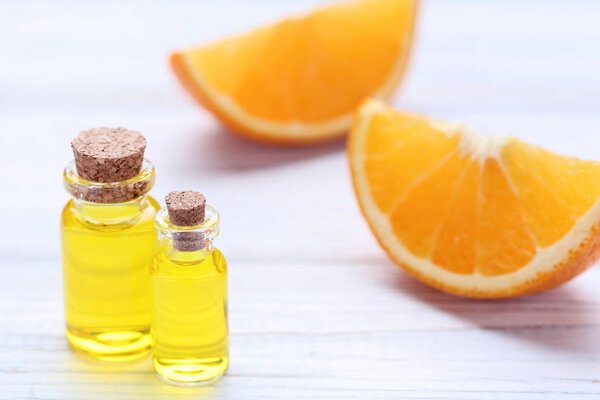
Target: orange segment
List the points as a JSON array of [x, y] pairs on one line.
[[551, 205], [301, 79], [385, 151], [477, 216], [456, 244], [430, 198], [505, 244]]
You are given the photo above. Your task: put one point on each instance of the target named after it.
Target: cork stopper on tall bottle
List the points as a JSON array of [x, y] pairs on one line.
[[108, 154], [186, 208]]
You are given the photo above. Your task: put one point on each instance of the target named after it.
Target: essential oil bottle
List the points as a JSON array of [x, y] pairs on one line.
[[108, 238], [190, 336]]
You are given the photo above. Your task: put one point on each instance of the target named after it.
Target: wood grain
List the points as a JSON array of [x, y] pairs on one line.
[[316, 308]]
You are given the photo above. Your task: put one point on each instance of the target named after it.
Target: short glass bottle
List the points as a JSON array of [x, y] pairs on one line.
[[108, 238], [190, 337]]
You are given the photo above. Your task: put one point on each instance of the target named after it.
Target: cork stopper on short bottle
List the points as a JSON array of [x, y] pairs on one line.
[[108, 154], [186, 208]]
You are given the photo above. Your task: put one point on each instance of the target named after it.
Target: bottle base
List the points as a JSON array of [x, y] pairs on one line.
[[190, 372], [110, 346]]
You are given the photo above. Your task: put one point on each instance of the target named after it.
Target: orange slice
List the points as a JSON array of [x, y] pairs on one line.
[[477, 216], [300, 80]]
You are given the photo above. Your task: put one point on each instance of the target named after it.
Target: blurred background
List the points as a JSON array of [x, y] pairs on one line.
[[311, 291], [528, 68]]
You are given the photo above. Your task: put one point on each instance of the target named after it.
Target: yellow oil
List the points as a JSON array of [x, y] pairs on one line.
[[107, 259], [190, 337]]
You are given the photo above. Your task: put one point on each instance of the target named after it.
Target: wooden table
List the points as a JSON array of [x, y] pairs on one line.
[[317, 310]]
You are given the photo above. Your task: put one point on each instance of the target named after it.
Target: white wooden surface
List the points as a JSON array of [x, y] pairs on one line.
[[317, 310]]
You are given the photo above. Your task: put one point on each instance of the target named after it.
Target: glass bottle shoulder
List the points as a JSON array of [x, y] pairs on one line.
[[118, 217], [198, 264]]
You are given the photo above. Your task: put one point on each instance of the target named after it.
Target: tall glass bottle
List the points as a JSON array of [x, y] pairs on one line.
[[108, 237]]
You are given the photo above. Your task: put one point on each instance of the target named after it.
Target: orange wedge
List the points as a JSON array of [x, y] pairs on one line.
[[477, 216], [300, 80]]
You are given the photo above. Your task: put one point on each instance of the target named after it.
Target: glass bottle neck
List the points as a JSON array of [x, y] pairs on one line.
[[188, 239], [110, 213], [186, 257]]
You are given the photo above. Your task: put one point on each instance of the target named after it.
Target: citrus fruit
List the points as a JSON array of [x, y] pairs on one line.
[[300, 80], [477, 216]]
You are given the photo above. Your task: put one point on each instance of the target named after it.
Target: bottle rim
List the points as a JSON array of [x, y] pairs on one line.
[[210, 225], [110, 192]]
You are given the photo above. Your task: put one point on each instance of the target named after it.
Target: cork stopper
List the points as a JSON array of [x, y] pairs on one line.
[[108, 155], [186, 208]]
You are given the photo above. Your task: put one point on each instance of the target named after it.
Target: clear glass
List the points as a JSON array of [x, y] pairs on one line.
[[190, 335], [107, 251]]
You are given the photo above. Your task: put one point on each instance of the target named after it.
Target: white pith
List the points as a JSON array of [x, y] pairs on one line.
[[297, 130], [543, 262]]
